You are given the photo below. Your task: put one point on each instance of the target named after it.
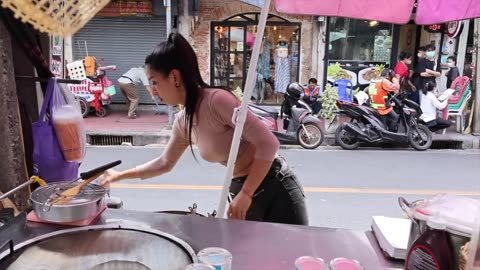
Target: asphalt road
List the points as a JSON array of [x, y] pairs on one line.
[[344, 188]]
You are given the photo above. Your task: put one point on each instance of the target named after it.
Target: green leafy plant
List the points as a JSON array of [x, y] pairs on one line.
[[329, 102]]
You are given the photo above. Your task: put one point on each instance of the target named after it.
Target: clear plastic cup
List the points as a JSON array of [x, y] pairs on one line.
[[310, 263], [199, 266], [345, 264], [219, 258]]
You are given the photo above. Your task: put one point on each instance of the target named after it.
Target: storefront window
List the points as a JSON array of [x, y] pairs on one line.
[[359, 40], [357, 50], [278, 65]]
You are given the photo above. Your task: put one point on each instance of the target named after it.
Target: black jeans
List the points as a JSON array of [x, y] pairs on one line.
[[438, 124], [279, 198], [391, 120]]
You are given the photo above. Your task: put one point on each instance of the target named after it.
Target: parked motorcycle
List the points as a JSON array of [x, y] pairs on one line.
[[368, 126], [299, 124]]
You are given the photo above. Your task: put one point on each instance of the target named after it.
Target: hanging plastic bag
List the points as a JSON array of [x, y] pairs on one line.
[[68, 123], [48, 161]]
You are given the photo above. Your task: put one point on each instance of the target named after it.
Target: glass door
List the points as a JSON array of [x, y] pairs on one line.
[[229, 56]]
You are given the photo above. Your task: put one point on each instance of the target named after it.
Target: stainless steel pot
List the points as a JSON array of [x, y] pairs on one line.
[[82, 206]]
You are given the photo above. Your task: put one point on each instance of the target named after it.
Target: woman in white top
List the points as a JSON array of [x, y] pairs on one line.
[[429, 104]]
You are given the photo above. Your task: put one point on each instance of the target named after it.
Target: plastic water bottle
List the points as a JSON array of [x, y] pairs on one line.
[[219, 258]]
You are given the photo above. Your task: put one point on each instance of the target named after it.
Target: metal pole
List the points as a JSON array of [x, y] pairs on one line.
[[6, 195], [476, 76], [242, 112], [168, 7]]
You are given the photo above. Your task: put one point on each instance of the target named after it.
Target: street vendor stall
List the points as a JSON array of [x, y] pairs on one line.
[[70, 227]]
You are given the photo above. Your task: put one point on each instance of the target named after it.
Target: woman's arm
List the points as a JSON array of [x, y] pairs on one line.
[[221, 106], [161, 165], [439, 105]]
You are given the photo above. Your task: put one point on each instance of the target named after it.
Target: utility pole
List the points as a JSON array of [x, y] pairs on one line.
[[12, 158], [168, 7]]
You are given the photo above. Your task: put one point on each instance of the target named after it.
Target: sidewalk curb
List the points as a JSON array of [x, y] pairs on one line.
[[162, 137]]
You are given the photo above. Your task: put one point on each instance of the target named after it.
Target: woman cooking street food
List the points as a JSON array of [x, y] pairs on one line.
[[263, 188]]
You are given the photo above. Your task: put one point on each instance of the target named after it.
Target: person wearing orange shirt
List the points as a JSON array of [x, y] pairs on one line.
[[311, 93], [379, 96]]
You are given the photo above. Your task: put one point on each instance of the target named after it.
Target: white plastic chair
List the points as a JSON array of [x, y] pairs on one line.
[[459, 115]]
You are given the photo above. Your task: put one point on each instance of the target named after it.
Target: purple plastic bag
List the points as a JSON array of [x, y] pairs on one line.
[[48, 162]]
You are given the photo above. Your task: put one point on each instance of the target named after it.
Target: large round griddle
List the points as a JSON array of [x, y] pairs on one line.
[[101, 248]]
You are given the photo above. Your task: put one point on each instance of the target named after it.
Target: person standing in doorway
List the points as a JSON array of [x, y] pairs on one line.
[[128, 84], [453, 72], [428, 71], [416, 79], [401, 69]]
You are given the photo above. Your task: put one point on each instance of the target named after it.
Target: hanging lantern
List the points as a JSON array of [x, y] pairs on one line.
[[55, 17]]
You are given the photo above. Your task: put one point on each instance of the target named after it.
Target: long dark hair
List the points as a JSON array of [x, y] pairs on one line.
[[429, 86], [176, 53]]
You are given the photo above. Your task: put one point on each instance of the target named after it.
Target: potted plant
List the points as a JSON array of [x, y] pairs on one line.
[[329, 105]]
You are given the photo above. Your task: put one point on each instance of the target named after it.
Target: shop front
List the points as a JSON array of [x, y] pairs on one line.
[[122, 34], [354, 48], [279, 63], [357, 50]]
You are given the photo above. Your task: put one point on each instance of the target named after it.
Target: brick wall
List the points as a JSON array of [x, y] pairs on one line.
[[219, 10]]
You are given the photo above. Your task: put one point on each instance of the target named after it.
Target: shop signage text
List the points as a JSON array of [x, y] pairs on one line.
[[435, 28], [122, 8]]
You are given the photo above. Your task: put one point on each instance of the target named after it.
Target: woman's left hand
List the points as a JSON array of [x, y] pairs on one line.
[[239, 206]]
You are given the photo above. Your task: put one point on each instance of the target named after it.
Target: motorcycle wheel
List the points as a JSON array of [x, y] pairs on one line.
[[102, 112], [345, 139], [419, 141], [314, 131], [84, 106]]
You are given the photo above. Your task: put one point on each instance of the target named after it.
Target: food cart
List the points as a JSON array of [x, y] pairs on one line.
[[116, 238]]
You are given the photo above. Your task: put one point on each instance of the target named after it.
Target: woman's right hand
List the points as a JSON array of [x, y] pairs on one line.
[[109, 176]]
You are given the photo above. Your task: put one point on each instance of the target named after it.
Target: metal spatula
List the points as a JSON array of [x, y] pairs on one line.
[[70, 193]]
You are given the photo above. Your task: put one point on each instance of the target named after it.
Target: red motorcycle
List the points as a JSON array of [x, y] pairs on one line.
[[94, 93]]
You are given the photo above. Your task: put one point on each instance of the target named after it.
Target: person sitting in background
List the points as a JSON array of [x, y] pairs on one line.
[[311, 95], [453, 72], [429, 104]]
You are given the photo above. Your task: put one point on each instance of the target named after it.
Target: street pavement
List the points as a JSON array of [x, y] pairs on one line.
[[343, 188]]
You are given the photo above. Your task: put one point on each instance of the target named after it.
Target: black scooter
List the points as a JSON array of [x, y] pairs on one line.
[[367, 126]]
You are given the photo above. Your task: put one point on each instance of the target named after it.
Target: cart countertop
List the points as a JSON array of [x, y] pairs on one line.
[[254, 245]]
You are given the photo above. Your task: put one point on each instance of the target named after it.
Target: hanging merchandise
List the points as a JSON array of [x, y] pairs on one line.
[[68, 123], [55, 17], [282, 67], [48, 159], [264, 59]]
